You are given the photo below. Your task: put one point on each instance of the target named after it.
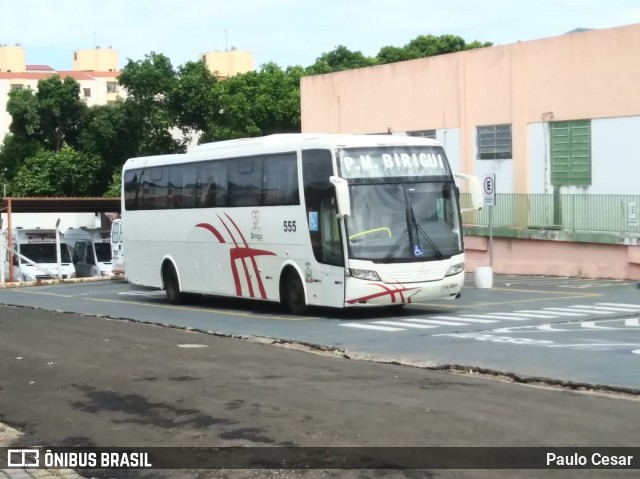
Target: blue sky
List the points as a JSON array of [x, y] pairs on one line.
[[287, 32]]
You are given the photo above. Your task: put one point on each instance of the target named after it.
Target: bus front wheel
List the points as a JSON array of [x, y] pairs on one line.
[[171, 285], [294, 294]]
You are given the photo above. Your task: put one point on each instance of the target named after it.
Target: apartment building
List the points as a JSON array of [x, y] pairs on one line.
[[95, 70]]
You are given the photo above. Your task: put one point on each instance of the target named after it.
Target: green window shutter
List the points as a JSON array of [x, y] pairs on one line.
[[571, 152]]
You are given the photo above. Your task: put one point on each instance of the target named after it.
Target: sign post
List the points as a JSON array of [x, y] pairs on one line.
[[489, 190]]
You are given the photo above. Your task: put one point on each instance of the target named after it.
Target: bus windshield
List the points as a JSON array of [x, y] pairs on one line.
[[405, 221]]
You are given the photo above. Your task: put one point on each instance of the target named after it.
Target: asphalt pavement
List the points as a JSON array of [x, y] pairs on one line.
[[80, 380]]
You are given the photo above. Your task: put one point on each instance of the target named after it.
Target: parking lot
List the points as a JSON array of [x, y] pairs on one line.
[[563, 330]]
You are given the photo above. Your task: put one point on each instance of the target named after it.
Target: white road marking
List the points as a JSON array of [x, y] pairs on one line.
[[477, 318], [490, 315], [635, 351], [371, 326], [404, 324], [525, 316], [447, 321], [615, 309], [565, 311], [587, 309], [632, 322], [622, 305]]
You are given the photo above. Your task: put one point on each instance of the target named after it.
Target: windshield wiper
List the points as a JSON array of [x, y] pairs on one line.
[[397, 244], [420, 230]]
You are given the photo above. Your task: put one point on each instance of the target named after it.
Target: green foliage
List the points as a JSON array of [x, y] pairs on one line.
[[338, 59], [59, 146], [257, 103], [150, 84], [111, 133], [116, 183], [60, 111], [192, 100], [13, 152], [426, 46], [62, 173]]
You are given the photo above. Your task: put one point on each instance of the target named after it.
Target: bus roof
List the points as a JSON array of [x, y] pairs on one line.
[[277, 143]]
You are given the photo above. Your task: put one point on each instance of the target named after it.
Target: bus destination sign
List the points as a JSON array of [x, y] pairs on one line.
[[392, 162]]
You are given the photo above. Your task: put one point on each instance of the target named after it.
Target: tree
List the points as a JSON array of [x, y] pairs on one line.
[[48, 118], [62, 173], [426, 46], [338, 59], [112, 134], [150, 84], [116, 184], [60, 111], [393, 54], [192, 100], [256, 103]]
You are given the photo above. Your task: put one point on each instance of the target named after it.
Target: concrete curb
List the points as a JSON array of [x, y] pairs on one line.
[[10, 437], [47, 282]]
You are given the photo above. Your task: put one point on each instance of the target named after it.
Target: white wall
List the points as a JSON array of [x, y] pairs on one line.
[[615, 158], [450, 139]]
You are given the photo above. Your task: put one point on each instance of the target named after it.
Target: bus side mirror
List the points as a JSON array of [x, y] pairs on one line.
[[475, 190], [342, 195]]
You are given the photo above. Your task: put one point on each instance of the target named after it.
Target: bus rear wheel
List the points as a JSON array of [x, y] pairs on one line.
[[171, 285], [294, 298]]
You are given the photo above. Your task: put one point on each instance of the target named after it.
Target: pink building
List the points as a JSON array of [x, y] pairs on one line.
[[556, 116]]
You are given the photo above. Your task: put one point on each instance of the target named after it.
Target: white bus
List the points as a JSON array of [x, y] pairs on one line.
[[327, 220]]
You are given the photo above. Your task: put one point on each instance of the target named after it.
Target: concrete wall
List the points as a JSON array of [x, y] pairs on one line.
[[554, 258], [587, 75]]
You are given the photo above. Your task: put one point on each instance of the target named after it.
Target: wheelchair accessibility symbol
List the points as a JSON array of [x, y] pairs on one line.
[[418, 251]]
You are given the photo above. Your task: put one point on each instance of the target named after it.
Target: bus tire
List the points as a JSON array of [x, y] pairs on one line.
[[294, 298], [171, 285]]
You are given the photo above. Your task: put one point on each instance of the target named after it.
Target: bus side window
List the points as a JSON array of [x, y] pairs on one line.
[[212, 184], [132, 189]]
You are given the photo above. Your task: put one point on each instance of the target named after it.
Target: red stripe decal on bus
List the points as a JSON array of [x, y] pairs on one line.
[[215, 232]]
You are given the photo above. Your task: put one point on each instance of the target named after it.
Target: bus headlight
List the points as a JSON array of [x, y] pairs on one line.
[[365, 274], [455, 269]]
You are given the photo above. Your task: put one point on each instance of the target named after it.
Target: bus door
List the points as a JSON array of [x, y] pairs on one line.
[[324, 273]]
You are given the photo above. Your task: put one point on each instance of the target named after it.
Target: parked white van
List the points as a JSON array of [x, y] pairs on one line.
[[39, 246], [90, 251], [117, 248]]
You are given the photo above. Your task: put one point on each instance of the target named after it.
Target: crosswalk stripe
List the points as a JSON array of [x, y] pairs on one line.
[[622, 305], [489, 316], [556, 313], [565, 311], [371, 326], [537, 313], [587, 309], [477, 318], [405, 324], [614, 309], [525, 316], [438, 320]]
